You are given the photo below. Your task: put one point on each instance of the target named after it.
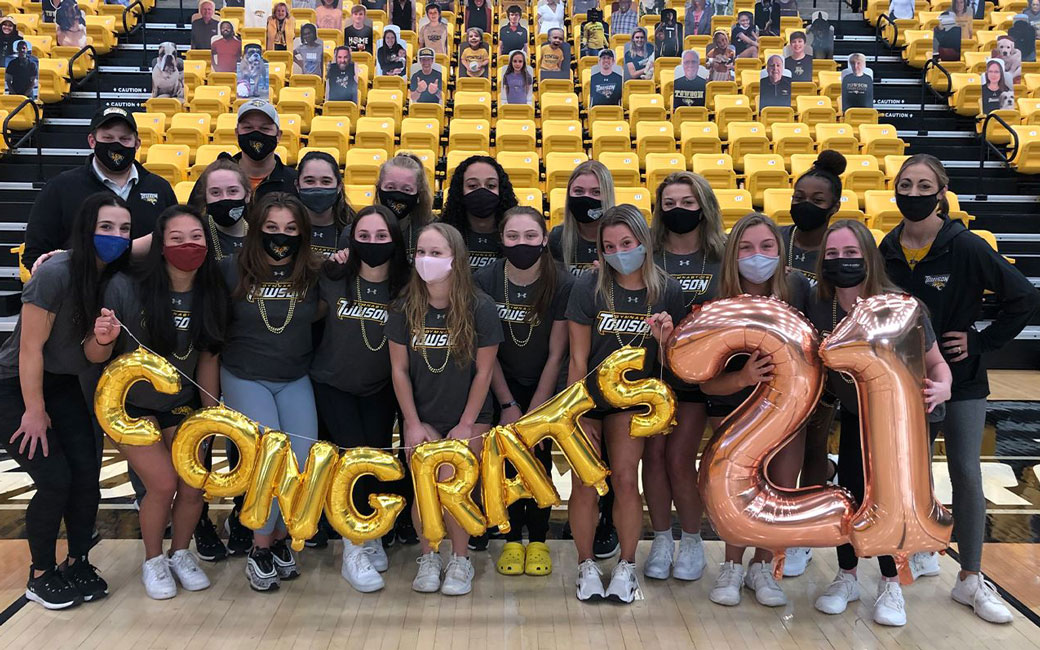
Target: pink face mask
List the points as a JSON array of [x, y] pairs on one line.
[[433, 269]]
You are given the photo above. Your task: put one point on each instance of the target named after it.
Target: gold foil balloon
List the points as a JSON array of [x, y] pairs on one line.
[[558, 419], [302, 495], [453, 494], [264, 482], [531, 480], [881, 345], [110, 397], [339, 503], [744, 506], [187, 450], [619, 392]]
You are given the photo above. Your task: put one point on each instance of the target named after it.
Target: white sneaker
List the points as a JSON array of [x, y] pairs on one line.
[[458, 577], [796, 560], [759, 578], [980, 594], [357, 569], [843, 590], [924, 564], [659, 563], [428, 577], [727, 586], [157, 579], [590, 581], [689, 562], [185, 566], [623, 583], [889, 608], [376, 555]]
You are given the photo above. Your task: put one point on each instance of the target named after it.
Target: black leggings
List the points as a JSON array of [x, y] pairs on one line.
[[526, 512], [358, 421], [67, 479], [850, 477]]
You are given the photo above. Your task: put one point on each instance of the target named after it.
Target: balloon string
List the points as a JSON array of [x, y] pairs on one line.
[[264, 427]]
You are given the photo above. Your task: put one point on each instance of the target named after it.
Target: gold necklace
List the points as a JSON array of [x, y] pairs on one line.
[[288, 315], [422, 349], [364, 334], [191, 348], [610, 304], [834, 324], [215, 236], [509, 325]]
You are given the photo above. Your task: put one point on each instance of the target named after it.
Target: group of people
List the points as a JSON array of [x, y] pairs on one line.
[[327, 320]]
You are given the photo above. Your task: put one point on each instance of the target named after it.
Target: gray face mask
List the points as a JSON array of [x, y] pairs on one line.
[[758, 268], [625, 262]]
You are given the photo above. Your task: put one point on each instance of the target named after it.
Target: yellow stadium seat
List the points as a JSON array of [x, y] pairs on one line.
[[635, 87], [166, 106], [918, 48], [360, 195], [610, 136], [830, 84], [473, 106], [53, 80], [646, 108], [699, 137], [771, 115], [151, 129], [891, 167], [1027, 160], [637, 196], [420, 133], [529, 197], [311, 81], [995, 131], [660, 165], [24, 120], [183, 191], [731, 108], [734, 204], [879, 236], [837, 137], [300, 101], [332, 151], [292, 135], [224, 130], [856, 116], [426, 111], [776, 202], [101, 30], [654, 137], [764, 171], [557, 206], [454, 159], [1029, 110], [385, 103], [713, 89], [559, 106], [427, 157], [813, 110], [684, 114], [745, 138], [362, 166], [212, 99], [522, 167], [880, 140], [469, 135], [516, 135], [623, 166], [515, 112], [229, 79], [967, 93], [331, 132], [169, 161], [562, 136], [191, 129], [206, 154], [862, 173], [801, 163], [558, 168], [41, 44], [791, 138], [880, 208], [849, 207], [375, 133], [717, 169]]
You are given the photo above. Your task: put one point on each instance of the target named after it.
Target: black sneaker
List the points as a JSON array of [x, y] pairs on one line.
[[208, 544], [84, 578], [284, 560], [406, 534], [495, 533], [240, 538], [260, 569], [478, 542], [389, 539], [606, 544], [320, 539], [51, 590]]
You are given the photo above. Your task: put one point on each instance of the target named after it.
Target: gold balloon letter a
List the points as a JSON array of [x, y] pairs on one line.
[[530, 482], [339, 505], [650, 392], [117, 379], [454, 494], [187, 450]]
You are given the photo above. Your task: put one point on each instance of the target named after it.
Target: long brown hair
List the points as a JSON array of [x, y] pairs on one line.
[[415, 301], [932, 163], [729, 285], [543, 296], [569, 238], [254, 266], [197, 198], [422, 214], [877, 279], [655, 279], [712, 237]]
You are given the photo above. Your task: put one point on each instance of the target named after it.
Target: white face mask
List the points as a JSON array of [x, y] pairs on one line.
[[433, 269], [758, 268]]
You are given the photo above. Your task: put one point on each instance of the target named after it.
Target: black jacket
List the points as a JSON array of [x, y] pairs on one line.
[[950, 280], [281, 179], [60, 200]]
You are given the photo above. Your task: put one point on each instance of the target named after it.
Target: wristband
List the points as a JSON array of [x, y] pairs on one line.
[[506, 405]]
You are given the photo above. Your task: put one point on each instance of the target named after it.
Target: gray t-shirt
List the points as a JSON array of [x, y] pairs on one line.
[[253, 351], [122, 295], [48, 289], [353, 355], [226, 245], [583, 256], [440, 397], [484, 248], [799, 258], [324, 240], [697, 277], [523, 363]]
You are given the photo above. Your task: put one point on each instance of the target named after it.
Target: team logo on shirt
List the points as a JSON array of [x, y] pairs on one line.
[[515, 314], [609, 322], [479, 260], [937, 282], [434, 337], [360, 310], [580, 268], [275, 291], [323, 251], [695, 283], [182, 320], [148, 197]]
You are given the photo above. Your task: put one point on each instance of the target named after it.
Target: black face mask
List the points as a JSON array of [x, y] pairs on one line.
[[319, 199], [279, 245], [114, 156], [917, 208], [481, 202], [844, 272], [808, 216], [522, 256], [374, 253], [226, 212], [400, 203], [585, 208], [257, 145], [681, 220]]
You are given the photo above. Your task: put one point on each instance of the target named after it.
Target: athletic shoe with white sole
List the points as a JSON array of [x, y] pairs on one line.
[[924, 564], [796, 560], [658, 563], [260, 569], [376, 555], [428, 577], [284, 561], [889, 608], [606, 543], [185, 567], [208, 544], [84, 578], [759, 579], [689, 561], [50, 590], [844, 589], [623, 583], [458, 577], [727, 586], [590, 581], [158, 579], [240, 538], [357, 569], [981, 595]]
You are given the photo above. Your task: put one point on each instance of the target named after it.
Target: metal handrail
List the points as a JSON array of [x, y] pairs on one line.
[[8, 135], [141, 25], [879, 31], [92, 73], [925, 87], [986, 146]]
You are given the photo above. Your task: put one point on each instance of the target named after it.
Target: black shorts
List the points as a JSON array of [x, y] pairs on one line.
[[602, 413], [695, 396], [719, 410], [166, 419]]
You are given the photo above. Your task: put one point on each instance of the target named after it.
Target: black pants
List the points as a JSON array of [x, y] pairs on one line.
[[850, 477], [67, 479], [358, 421], [526, 512]]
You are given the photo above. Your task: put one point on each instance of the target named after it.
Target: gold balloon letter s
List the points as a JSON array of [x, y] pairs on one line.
[[653, 393], [110, 397]]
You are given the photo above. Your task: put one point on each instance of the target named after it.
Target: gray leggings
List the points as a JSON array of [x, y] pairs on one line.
[[962, 430], [285, 406]]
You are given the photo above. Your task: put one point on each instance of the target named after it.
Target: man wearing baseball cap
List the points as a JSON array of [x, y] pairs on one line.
[[259, 130], [426, 82], [113, 138]]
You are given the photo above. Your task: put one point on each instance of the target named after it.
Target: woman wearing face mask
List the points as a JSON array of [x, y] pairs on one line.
[[607, 310], [267, 354], [816, 197], [351, 367], [531, 293], [222, 194], [178, 278], [47, 426], [851, 268], [444, 335], [688, 238], [480, 193], [590, 192], [948, 268], [402, 186], [319, 185]]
